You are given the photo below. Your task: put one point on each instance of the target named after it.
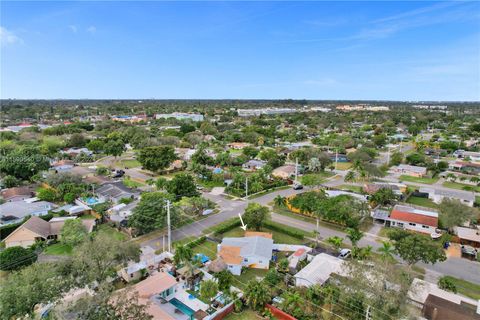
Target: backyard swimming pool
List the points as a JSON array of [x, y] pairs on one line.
[[182, 307]]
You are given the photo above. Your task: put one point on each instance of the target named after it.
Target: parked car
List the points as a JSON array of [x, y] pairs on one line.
[[345, 253], [119, 174], [297, 186]]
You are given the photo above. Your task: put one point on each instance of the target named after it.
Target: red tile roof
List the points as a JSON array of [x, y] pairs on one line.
[[402, 213]]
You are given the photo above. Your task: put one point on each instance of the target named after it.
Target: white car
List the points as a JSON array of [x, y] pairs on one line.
[[345, 253]]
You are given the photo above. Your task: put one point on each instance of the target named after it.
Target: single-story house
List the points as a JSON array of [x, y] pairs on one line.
[[16, 194], [14, 212], [148, 261], [74, 209], [414, 171], [153, 291], [254, 165], [73, 152], [185, 153], [319, 270], [121, 212], [418, 219], [115, 191], [238, 145], [397, 188], [284, 172], [438, 304], [63, 165], [469, 236], [36, 229], [464, 166], [252, 251], [437, 195], [299, 255], [462, 154]]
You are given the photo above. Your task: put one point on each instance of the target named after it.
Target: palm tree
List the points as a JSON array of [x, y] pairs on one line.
[[293, 304], [183, 253], [224, 279], [354, 235], [335, 241], [386, 251], [350, 176], [257, 294], [190, 273], [279, 201], [208, 290]]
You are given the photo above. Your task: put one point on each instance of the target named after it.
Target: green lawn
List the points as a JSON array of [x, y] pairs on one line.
[[247, 275], [418, 180], [131, 183], [244, 315], [288, 213], [208, 248], [424, 202], [278, 237], [343, 165], [357, 189], [87, 217], [460, 186], [130, 163], [466, 288], [103, 228], [58, 249], [262, 193]]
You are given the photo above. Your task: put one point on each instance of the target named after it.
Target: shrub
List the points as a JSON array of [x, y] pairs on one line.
[[285, 229], [447, 283], [196, 242], [226, 226], [14, 258]]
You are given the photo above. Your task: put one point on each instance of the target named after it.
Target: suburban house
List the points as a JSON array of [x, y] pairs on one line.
[[319, 270], [437, 304], [462, 154], [16, 194], [148, 261], [120, 212], [74, 209], [36, 229], [252, 251], [254, 165], [180, 116], [284, 172], [469, 236], [63, 165], [73, 152], [397, 188], [413, 171], [238, 145], [464, 166], [299, 255], [437, 195], [418, 219], [14, 212], [115, 191]]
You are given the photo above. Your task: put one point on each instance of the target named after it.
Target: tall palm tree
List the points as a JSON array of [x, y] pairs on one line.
[[279, 201], [386, 251], [257, 294], [354, 235], [335, 241], [350, 176], [208, 290], [183, 253]]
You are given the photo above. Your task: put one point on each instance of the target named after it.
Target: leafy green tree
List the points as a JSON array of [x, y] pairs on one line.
[[73, 232], [183, 253], [182, 185], [250, 152], [396, 158], [415, 248], [47, 194], [224, 279], [10, 181], [201, 157], [161, 183], [386, 251], [22, 290], [151, 212], [257, 294], [350, 176], [255, 215], [96, 145], [156, 158], [336, 242], [454, 213], [23, 162], [279, 201], [384, 196], [14, 258], [114, 147], [208, 290], [312, 180], [77, 140]]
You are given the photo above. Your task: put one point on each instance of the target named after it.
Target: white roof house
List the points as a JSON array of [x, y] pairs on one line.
[[437, 195], [13, 212], [319, 270]]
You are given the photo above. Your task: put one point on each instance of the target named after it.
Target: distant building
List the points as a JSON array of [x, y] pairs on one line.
[[14, 212], [238, 145], [254, 165], [266, 111], [284, 172], [180, 116], [130, 119], [462, 154], [413, 171], [16, 194]]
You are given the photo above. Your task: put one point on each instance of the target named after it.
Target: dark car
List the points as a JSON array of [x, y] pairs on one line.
[[119, 174]]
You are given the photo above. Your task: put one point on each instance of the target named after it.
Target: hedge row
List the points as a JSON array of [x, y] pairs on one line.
[[293, 232], [9, 228], [226, 226], [196, 242]]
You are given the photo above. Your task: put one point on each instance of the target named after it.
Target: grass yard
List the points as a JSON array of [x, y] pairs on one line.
[[262, 193], [244, 315], [460, 186], [278, 237], [86, 217], [247, 275], [129, 163], [343, 165], [466, 288], [114, 233], [58, 249], [424, 202], [288, 213], [418, 180], [128, 182], [208, 248], [347, 187]]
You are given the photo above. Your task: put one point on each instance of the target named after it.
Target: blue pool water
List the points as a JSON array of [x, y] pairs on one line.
[[182, 307], [91, 200]]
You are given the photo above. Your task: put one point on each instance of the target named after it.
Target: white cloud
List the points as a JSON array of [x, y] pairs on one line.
[[8, 37], [92, 29], [73, 28]]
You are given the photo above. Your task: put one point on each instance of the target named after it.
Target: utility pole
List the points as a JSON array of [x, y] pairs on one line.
[[296, 170], [246, 187], [169, 227]]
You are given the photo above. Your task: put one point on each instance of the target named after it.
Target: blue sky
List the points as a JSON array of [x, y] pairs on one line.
[[271, 50]]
